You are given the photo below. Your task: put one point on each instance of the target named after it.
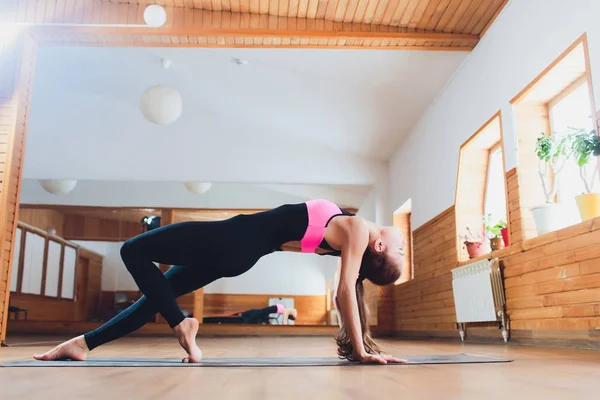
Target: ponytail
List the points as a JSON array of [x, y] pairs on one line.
[[345, 349]]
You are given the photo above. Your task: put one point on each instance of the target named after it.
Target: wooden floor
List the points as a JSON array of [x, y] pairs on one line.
[[536, 373]]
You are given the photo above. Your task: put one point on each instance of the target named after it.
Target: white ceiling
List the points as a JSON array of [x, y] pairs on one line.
[[301, 116], [354, 101]]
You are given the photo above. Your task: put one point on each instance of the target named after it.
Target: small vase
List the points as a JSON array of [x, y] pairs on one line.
[[548, 218], [589, 205], [496, 243], [504, 232]]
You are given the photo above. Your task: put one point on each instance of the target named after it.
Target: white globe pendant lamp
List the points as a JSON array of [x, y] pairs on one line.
[[155, 16], [58, 186], [198, 187], [161, 104]]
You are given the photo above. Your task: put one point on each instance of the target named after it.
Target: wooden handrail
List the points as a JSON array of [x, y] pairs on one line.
[[46, 235]]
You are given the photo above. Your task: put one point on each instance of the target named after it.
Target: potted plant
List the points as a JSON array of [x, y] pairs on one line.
[[497, 233], [477, 245], [586, 144], [552, 152]]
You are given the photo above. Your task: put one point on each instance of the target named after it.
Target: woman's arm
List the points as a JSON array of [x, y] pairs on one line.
[[345, 299], [355, 244]]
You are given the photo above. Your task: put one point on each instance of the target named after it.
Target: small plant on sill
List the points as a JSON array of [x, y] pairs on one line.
[[477, 244], [584, 145], [497, 232]]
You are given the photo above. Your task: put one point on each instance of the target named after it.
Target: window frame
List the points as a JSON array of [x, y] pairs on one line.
[[578, 83], [467, 211], [497, 146]]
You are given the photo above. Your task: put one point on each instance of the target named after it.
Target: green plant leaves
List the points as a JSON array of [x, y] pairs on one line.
[[584, 144]]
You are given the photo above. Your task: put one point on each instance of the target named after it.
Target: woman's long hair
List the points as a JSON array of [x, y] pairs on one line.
[[377, 268]]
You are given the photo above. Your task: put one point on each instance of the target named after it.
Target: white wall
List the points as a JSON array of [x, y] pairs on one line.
[[525, 39], [368, 209], [283, 273], [114, 274]]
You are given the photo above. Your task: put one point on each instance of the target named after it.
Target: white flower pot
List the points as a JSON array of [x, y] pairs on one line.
[[548, 218]]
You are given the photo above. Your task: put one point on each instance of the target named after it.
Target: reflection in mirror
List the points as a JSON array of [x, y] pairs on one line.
[[68, 265]]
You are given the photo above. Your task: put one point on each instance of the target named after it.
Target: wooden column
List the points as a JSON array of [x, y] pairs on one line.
[[17, 61], [198, 311], [167, 217]]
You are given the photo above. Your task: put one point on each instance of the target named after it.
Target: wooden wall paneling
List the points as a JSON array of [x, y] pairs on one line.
[[552, 286], [386, 310], [424, 302], [41, 308], [513, 208], [80, 227], [372, 293], [45, 219], [16, 67], [94, 283]]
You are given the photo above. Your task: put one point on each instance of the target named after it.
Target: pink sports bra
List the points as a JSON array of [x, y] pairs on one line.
[[320, 212]]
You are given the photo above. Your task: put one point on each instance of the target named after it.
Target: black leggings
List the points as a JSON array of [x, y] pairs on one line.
[[258, 315], [181, 280], [202, 253]]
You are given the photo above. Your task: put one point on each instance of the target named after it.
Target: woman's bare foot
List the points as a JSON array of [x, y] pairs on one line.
[[75, 349], [186, 333]]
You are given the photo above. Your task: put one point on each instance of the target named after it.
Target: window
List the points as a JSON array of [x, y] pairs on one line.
[[571, 109], [558, 98], [481, 187], [495, 191]]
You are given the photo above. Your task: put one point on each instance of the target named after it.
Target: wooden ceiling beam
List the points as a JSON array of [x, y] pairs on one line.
[[121, 24]]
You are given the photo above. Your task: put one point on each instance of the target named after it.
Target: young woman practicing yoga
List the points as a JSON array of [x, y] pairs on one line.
[[205, 251], [255, 316]]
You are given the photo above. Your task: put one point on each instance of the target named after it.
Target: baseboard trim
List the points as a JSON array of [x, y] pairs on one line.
[[574, 339], [160, 329]]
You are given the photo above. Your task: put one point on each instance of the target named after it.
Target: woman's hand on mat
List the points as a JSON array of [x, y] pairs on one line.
[[378, 358], [372, 359], [393, 359]]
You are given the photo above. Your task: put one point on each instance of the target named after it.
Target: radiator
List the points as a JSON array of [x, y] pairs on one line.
[[479, 295]]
